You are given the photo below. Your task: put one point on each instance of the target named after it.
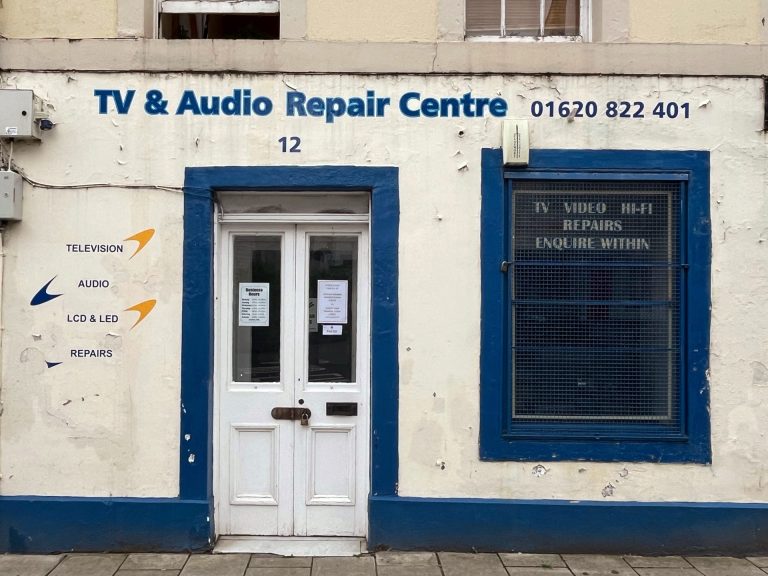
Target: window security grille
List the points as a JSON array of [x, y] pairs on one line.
[[595, 309]]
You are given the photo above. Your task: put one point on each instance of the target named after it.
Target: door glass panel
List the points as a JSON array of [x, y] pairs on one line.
[[332, 308], [293, 203], [256, 309]]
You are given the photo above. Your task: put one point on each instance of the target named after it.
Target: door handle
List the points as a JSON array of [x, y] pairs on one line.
[[291, 413]]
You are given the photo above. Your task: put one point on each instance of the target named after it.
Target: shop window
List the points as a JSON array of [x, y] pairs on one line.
[[567, 19], [222, 19], [598, 349]]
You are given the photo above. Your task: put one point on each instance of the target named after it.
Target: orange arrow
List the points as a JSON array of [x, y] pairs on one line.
[[142, 238], [143, 308]]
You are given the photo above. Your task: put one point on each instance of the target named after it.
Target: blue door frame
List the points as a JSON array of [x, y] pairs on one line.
[[201, 185]]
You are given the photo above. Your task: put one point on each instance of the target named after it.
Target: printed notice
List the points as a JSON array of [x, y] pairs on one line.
[[609, 225], [254, 304], [332, 301], [331, 329]]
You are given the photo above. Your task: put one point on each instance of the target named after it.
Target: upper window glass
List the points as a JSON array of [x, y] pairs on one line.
[[524, 18], [227, 19], [233, 202]]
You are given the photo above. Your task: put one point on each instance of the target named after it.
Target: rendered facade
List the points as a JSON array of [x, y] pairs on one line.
[[321, 277]]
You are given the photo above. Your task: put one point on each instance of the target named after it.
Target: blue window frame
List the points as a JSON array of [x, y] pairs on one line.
[[595, 311]]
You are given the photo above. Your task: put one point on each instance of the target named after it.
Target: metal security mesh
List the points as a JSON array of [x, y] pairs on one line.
[[595, 305]]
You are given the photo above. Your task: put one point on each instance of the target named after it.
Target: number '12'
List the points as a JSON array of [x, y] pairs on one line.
[[295, 142]]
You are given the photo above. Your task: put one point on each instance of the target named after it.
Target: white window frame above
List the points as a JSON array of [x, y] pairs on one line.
[[219, 6], [585, 28]]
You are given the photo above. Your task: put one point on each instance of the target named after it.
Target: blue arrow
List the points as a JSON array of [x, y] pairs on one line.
[[42, 295]]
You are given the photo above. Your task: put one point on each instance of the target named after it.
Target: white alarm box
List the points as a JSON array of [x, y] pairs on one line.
[[515, 142], [11, 185], [20, 111]]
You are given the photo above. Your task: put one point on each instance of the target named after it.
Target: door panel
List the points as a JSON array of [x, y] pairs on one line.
[[253, 464], [294, 333], [331, 465]]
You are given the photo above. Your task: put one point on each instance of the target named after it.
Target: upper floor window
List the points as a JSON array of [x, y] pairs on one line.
[[232, 19], [527, 18]]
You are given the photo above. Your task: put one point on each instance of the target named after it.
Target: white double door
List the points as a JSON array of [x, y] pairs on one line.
[[294, 339]]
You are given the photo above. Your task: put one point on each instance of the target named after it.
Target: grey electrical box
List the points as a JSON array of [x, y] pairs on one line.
[[10, 195], [20, 112]]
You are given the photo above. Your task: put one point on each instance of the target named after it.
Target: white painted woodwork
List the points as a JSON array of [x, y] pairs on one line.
[[277, 477], [255, 472], [291, 545], [220, 6], [331, 465], [253, 464]]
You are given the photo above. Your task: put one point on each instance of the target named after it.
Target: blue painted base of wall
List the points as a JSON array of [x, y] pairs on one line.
[[568, 527], [45, 525]]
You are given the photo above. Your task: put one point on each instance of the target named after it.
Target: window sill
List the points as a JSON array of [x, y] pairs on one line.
[[655, 451], [525, 39], [566, 433]]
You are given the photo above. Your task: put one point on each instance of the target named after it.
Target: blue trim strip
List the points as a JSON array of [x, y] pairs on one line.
[[694, 166], [592, 349], [494, 349], [519, 174], [594, 263], [196, 473], [478, 525], [44, 525], [564, 302], [698, 242]]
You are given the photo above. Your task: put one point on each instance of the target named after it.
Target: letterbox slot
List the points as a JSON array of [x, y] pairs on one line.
[[341, 408]]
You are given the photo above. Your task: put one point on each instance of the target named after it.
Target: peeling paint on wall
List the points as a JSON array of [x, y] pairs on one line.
[[759, 374]]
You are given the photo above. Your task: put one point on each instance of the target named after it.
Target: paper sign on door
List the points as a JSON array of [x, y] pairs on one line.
[[332, 301], [254, 304]]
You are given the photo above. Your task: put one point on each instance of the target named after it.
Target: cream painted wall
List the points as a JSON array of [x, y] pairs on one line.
[[92, 427], [95, 427], [681, 21], [697, 21], [125, 441], [371, 20], [610, 20], [70, 19]]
